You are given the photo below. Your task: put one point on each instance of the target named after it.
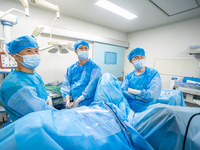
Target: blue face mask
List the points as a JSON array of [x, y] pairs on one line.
[[30, 61], [139, 64], [83, 54]]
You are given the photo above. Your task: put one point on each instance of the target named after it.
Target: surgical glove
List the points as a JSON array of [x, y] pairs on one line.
[[69, 104], [49, 101], [78, 100], [134, 92]]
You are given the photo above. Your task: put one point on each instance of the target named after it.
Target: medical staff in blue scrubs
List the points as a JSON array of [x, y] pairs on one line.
[[81, 78], [23, 90], [142, 86]]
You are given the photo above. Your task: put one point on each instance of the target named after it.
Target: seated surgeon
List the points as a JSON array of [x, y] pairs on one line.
[[23, 90], [142, 86], [81, 78]]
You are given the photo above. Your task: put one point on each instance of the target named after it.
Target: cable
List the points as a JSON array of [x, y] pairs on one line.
[[52, 27], [123, 127], [197, 3], [188, 128]]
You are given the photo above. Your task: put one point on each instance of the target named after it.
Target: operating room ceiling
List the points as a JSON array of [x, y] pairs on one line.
[[149, 15]]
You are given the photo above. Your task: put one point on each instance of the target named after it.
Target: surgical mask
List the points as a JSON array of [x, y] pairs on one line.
[[139, 63], [30, 61], [83, 54]]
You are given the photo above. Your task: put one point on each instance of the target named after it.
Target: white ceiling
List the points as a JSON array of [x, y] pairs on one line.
[[148, 14]]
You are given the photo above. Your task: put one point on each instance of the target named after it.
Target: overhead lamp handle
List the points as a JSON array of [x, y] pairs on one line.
[[48, 5]]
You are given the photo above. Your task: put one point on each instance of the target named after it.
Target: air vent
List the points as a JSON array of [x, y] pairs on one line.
[[174, 7]]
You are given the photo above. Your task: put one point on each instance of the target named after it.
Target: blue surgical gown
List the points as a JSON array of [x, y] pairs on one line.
[[81, 80], [149, 82], [22, 93]]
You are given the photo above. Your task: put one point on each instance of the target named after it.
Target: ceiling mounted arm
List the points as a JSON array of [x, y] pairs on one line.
[[46, 48], [48, 5], [26, 6]]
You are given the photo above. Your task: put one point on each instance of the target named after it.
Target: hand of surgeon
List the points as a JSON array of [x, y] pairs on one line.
[[49, 101], [78, 100], [69, 104], [134, 92]]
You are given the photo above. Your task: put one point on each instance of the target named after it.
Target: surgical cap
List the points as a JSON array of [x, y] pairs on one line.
[[21, 43], [135, 52], [80, 43]]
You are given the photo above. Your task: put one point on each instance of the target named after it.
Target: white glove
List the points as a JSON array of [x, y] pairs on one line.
[[49, 101], [78, 100], [69, 104], [134, 92]]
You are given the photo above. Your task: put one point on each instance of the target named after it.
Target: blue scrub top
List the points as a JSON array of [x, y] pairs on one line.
[[22, 93], [149, 82], [81, 80]]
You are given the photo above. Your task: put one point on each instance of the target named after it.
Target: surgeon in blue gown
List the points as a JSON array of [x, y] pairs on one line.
[[142, 86], [81, 78], [23, 90]]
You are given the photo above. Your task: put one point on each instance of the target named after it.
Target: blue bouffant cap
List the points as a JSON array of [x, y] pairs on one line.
[[21, 43], [81, 43], [135, 52]]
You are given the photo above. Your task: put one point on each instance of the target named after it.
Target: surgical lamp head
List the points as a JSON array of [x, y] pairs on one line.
[[59, 48], [55, 46], [8, 18]]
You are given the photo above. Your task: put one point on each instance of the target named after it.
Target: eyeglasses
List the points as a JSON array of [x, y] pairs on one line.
[[82, 48], [139, 57]]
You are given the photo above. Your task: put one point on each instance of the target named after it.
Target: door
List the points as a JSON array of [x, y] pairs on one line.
[[110, 58]]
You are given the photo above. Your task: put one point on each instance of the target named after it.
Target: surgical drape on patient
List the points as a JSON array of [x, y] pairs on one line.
[[81, 80], [164, 126], [93, 127], [109, 91], [23, 93]]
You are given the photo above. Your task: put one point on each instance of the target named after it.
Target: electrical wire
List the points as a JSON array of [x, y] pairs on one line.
[[52, 27], [123, 127], [188, 128]]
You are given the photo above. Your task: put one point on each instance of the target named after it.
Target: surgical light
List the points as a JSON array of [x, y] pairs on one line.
[[115, 9], [55, 46]]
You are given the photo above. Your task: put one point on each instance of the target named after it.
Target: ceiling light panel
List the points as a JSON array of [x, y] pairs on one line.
[[115, 9]]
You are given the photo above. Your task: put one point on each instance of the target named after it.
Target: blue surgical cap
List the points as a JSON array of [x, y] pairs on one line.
[[21, 43], [135, 52], [80, 43]]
